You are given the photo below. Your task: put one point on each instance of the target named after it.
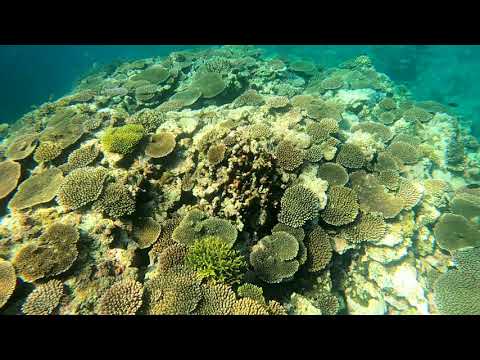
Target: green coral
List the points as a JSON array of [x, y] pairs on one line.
[[251, 291], [214, 260], [122, 140]]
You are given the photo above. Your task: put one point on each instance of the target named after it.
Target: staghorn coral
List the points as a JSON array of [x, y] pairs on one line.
[[369, 227], [8, 281], [457, 293], [145, 232], [275, 257], [80, 158], [319, 250], [214, 260], [47, 151], [11, 172], [115, 201], [37, 189], [342, 206], [122, 140], [453, 232], [196, 225], [22, 146], [81, 187], [407, 153], [52, 254], [44, 299], [161, 145], [351, 156], [216, 154], [122, 298], [209, 84], [298, 205], [334, 173], [288, 156]]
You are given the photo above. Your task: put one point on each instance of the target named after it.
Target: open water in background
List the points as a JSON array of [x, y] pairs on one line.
[[33, 74]]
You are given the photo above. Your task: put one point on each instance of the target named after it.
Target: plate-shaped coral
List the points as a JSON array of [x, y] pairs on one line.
[[11, 172]]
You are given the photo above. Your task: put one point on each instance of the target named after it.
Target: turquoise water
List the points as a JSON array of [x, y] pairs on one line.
[[30, 75], [239, 180]]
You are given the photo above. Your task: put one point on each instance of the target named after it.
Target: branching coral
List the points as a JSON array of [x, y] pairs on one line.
[[81, 187], [122, 298], [44, 299], [335, 174], [251, 291], [289, 157], [319, 249], [37, 189], [247, 306], [161, 145], [8, 281], [299, 205], [217, 299], [122, 140], [171, 256], [52, 254], [214, 260], [342, 206], [11, 172]]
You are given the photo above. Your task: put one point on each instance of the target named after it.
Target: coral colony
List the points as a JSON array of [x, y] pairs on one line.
[[225, 182]]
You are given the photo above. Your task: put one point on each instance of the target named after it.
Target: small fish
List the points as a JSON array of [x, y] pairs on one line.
[[452, 104]]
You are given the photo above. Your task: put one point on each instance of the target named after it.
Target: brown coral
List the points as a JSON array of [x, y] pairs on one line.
[[44, 299], [11, 172], [333, 173], [22, 146], [289, 157], [161, 145], [122, 298], [319, 249], [37, 189], [145, 232], [216, 154], [8, 281], [351, 156], [342, 206]]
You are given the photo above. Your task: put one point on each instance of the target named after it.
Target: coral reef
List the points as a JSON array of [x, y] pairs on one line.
[[223, 180]]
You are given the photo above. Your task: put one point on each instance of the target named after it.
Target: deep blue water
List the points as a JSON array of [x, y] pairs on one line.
[[29, 75]]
